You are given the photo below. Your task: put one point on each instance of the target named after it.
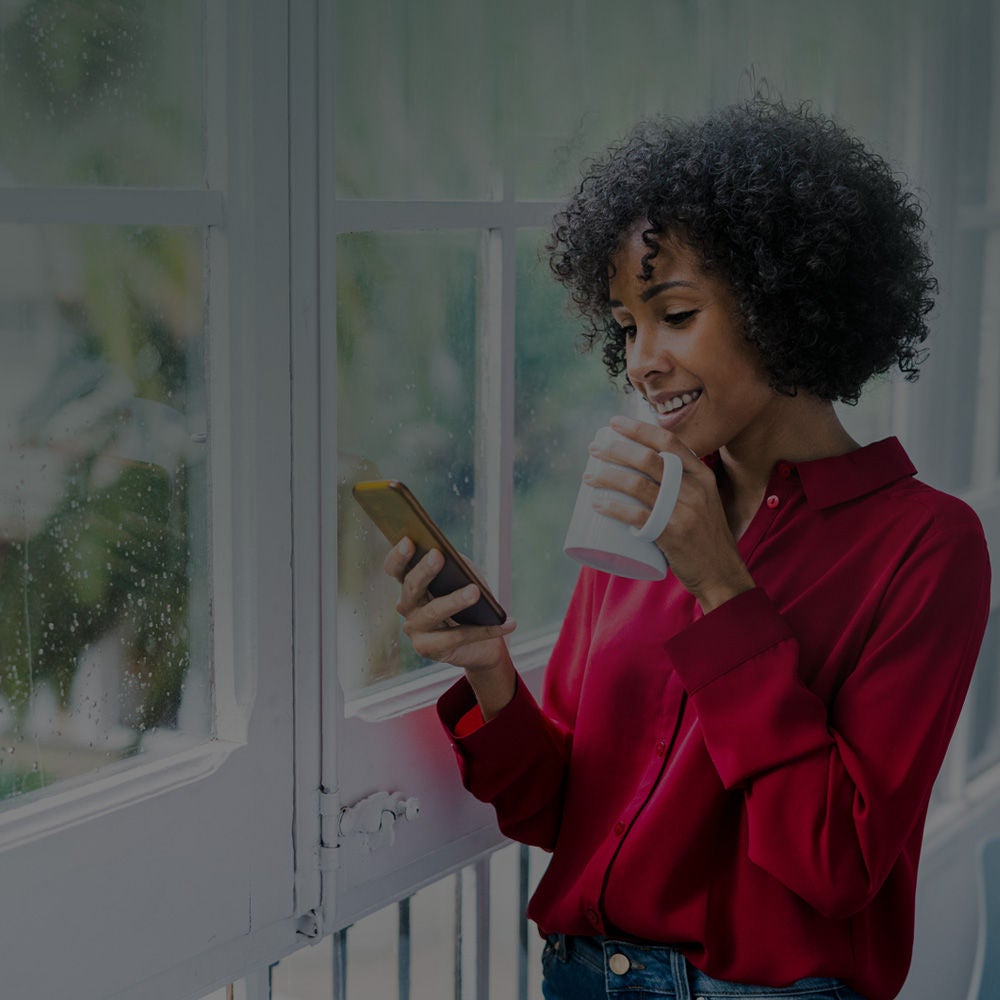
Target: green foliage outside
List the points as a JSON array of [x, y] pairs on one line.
[[102, 93]]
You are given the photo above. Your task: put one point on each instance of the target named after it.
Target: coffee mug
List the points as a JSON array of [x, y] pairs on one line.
[[610, 545]]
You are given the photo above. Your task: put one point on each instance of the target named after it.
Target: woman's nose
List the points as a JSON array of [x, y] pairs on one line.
[[645, 355]]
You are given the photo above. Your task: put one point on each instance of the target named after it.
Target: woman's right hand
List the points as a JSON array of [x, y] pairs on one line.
[[479, 649], [427, 620]]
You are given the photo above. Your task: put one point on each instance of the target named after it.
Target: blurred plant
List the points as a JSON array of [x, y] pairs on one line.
[[108, 557]]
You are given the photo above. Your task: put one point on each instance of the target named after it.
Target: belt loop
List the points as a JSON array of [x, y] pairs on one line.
[[679, 970], [562, 948]]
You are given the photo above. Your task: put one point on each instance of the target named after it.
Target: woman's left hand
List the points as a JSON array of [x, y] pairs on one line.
[[697, 540]]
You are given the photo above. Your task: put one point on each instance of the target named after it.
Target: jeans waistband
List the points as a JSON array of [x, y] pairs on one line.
[[663, 971], [628, 966]]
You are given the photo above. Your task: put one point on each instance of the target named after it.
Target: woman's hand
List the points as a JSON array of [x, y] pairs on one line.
[[697, 541], [479, 649]]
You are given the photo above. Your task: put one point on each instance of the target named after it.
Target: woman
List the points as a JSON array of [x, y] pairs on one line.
[[732, 766]]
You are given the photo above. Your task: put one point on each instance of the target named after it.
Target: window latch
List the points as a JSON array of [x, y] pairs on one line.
[[373, 819]]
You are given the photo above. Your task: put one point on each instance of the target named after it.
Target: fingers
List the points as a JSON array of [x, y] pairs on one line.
[[398, 560], [628, 481], [414, 579], [434, 634], [436, 612], [654, 437]]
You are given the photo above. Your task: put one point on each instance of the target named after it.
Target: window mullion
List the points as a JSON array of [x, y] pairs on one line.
[[495, 410]]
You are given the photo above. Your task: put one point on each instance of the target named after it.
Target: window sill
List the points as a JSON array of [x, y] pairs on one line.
[[88, 797], [399, 695]]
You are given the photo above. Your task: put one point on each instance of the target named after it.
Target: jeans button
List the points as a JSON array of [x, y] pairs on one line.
[[619, 963]]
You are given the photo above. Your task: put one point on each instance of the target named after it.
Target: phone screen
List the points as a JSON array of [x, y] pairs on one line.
[[398, 514]]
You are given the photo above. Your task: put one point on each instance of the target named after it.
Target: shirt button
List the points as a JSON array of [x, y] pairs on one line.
[[772, 501], [593, 917], [660, 749], [619, 963], [619, 828], [784, 470]]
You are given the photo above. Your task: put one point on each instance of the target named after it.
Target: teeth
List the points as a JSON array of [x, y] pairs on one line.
[[677, 402]]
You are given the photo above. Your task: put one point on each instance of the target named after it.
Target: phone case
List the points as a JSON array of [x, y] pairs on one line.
[[398, 514]]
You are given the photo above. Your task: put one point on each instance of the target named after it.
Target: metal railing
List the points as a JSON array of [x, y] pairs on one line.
[[478, 929]]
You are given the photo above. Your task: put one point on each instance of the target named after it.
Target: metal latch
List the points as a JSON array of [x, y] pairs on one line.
[[373, 820]]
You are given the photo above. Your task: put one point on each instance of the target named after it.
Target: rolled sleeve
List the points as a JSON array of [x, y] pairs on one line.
[[516, 761]]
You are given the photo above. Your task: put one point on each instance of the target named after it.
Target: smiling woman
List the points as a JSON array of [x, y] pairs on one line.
[[746, 270], [684, 347]]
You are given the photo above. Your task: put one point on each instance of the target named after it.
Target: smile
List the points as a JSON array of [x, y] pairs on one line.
[[675, 402]]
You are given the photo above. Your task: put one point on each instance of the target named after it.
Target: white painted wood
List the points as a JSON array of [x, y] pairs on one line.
[[385, 216], [306, 461], [112, 206]]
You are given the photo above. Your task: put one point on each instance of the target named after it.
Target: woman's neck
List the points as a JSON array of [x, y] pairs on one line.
[[804, 428]]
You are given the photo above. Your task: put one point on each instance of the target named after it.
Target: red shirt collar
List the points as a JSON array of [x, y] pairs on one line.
[[830, 481], [827, 482]]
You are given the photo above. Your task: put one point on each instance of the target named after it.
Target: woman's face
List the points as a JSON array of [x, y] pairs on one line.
[[684, 350]]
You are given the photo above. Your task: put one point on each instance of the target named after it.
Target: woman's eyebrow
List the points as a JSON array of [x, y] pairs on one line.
[[661, 286]]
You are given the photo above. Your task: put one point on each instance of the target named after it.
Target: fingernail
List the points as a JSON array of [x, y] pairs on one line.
[[469, 592]]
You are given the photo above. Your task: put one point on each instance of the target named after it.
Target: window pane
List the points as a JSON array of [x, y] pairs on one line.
[[870, 419], [406, 353], [562, 397], [101, 93], [464, 93], [102, 498], [984, 701], [415, 105], [601, 66]]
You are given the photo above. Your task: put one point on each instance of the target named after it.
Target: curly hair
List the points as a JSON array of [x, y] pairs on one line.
[[817, 239]]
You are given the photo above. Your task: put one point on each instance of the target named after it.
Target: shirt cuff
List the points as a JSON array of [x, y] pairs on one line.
[[470, 722], [517, 741], [729, 635]]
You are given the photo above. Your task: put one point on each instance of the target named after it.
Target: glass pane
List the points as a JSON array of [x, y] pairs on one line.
[[101, 93], [683, 58], [562, 397], [463, 92], [984, 701], [407, 308], [870, 419], [415, 106], [103, 540], [304, 975]]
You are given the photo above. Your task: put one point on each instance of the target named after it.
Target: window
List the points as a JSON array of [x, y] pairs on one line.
[[103, 525], [145, 585]]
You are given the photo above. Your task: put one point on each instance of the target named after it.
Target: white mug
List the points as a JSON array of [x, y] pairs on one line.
[[611, 545]]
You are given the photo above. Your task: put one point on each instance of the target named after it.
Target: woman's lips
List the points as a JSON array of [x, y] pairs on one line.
[[674, 409]]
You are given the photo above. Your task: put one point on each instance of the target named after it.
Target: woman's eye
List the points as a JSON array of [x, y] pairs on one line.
[[679, 318], [627, 331]]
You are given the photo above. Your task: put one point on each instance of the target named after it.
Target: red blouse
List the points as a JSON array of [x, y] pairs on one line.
[[750, 785]]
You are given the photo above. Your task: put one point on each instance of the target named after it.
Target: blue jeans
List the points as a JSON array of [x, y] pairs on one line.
[[585, 968]]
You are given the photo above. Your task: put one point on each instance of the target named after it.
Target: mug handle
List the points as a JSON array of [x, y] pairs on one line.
[[670, 486]]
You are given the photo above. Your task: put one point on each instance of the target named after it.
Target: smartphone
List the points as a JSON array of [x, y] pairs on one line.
[[398, 515]]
